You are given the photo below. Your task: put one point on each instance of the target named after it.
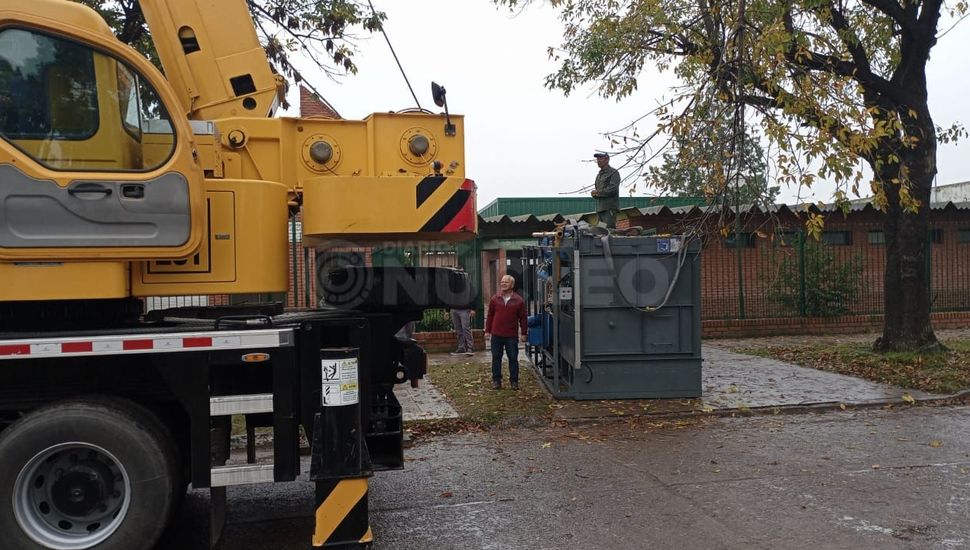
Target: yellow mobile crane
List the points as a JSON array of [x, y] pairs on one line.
[[118, 183]]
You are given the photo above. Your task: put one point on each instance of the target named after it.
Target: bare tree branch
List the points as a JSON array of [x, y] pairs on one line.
[[894, 11]]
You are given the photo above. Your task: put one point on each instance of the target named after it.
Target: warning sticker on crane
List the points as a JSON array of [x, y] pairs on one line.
[[340, 383], [671, 245]]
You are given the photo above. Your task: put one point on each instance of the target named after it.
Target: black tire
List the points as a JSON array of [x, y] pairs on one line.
[[163, 434], [113, 435]]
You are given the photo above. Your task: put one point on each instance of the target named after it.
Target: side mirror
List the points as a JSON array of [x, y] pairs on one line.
[[438, 93]]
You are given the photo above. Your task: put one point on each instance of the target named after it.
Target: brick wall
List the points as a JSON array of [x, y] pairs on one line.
[[720, 300], [301, 273], [743, 328], [493, 268], [724, 285], [438, 342]]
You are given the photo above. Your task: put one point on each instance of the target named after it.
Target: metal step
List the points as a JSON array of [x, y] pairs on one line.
[[225, 476], [240, 404]]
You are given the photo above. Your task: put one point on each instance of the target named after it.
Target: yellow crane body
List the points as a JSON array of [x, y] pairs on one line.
[[119, 184], [391, 177]]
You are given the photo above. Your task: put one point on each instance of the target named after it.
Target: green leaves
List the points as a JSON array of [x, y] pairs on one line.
[[713, 159], [822, 78], [322, 31]]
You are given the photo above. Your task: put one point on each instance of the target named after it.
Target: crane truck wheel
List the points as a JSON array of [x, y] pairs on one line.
[[93, 473]]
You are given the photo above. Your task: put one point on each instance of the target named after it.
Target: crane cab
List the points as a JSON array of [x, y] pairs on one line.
[[92, 165]]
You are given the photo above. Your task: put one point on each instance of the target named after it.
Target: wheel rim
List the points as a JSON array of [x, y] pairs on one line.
[[71, 496]]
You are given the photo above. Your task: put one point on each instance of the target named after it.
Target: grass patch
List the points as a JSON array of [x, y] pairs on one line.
[[468, 386], [239, 426], [943, 372]]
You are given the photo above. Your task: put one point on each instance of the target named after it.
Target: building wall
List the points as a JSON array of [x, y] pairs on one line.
[[846, 324], [721, 281], [493, 269], [725, 287]]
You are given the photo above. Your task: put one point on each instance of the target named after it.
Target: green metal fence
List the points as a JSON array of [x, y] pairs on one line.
[[747, 277]]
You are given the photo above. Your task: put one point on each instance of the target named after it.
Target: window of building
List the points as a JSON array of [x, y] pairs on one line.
[[963, 235], [739, 240], [837, 238], [935, 236]]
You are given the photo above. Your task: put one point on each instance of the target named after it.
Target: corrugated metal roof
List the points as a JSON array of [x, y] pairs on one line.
[[773, 209], [528, 218], [516, 226], [540, 206], [504, 224], [551, 217]]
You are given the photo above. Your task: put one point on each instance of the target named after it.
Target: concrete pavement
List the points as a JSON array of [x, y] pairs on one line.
[[863, 479], [733, 380], [855, 478], [867, 479], [424, 402], [730, 382]]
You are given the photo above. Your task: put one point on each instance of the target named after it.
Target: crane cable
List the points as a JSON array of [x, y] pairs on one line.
[[396, 60]]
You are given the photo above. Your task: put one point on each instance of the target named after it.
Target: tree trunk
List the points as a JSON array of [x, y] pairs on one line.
[[906, 326]]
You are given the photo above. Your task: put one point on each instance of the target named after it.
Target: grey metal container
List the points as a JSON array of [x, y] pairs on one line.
[[620, 330]]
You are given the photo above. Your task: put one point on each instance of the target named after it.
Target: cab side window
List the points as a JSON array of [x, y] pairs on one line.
[[71, 107], [49, 88]]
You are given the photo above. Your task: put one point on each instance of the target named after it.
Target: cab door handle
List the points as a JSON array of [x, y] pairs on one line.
[[86, 191]]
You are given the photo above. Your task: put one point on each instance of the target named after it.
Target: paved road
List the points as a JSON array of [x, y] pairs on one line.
[[863, 479]]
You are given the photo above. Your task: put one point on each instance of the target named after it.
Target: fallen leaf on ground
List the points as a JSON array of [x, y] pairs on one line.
[[936, 443]]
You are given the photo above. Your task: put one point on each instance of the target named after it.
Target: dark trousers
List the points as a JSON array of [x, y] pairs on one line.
[[608, 218], [509, 345], [461, 319]]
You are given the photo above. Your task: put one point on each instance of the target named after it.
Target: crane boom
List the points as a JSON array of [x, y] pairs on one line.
[[212, 58]]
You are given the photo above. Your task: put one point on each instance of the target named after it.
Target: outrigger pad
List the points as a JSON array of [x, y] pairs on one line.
[[389, 289]]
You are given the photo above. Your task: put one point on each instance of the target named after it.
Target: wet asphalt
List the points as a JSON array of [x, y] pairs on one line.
[[896, 477]]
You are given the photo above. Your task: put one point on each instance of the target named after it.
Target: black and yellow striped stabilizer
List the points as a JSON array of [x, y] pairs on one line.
[[341, 516], [363, 209]]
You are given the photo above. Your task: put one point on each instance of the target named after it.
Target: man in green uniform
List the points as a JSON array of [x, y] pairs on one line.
[[606, 190]]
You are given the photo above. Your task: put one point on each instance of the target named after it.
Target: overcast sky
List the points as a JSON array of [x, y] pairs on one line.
[[522, 140]]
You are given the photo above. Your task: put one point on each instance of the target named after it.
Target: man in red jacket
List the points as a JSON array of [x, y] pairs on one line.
[[505, 318]]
